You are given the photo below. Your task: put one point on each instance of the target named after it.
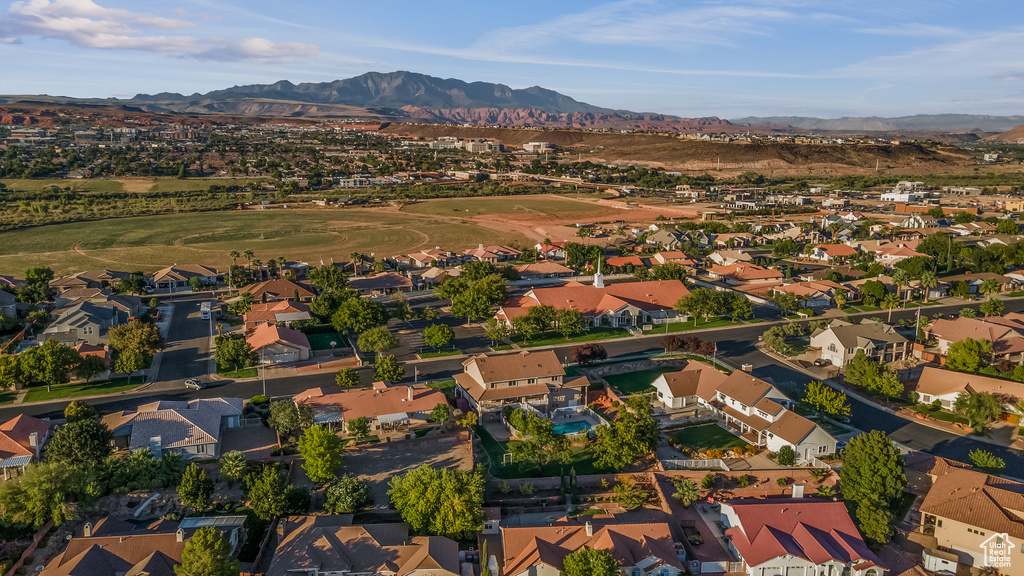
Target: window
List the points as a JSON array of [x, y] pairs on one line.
[[531, 381], [832, 348], [822, 449], [938, 523], [512, 383]]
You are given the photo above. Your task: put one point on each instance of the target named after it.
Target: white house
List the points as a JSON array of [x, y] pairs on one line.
[[840, 341]]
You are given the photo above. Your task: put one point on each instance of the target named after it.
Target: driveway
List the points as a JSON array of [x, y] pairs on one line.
[[189, 349]]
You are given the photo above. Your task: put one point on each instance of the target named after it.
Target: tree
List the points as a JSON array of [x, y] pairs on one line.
[[438, 336], [46, 491], [968, 312], [633, 434], [347, 377], [37, 285], [991, 308], [686, 492], [207, 553], [785, 248], [377, 340], [989, 286], [741, 307], [50, 363], [358, 427], [266, 493], [1007, 226], [346, 495], [233, 352], [986, 461], [890, 301], [840, 298], [78, 410], [699, 302], [387, 369], [440, 501], [570, 323], [525, 327], [242, 305], [233, 466], [979, 408], [826, 399], [441, 413], [630, 494], [400, 307], [11, 370], [195, 488], [969, 355], [590, 562], [862, 370], [321, 450], [671, 343], [872, 292], [786, 301], [359, 314], [929, 280], [288, 417], [787, 456], [85, 441], [669, 271], [872, 472], [587, 354], [496, 331], [325, 304], [875, 521]]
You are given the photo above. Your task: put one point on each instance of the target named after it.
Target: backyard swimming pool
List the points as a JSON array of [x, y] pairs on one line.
[[572, 427]]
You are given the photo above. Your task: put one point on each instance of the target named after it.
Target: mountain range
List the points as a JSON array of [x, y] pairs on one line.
[[931, 122]]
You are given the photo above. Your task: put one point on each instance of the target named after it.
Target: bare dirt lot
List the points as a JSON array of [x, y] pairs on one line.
[[378, 463]]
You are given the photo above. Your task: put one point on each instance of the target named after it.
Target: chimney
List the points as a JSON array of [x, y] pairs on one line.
[[590, 530], [33, 442], [410, 393], [798, 490], [180, 535], [87, 530]]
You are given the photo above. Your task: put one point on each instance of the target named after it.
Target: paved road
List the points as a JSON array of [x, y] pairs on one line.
[[737, 345], [189, 350]]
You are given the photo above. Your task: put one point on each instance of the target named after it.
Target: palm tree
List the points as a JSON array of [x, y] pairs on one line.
[[900, 278], [890, 301], [281, 262], [989, 287], [929, 280], [840, 298], [257, 267], [249, 255], [271, 267], [234, 256]]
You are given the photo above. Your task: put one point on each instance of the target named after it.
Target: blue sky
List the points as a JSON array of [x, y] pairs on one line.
[[692, 58]]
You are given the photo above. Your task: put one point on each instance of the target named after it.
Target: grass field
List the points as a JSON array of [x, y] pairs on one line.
[[534, 208], [152, 242], [130, 185], [8, 396], [713, 322], [446, 386], [636, 382], [553, 338], [323, 341], [707, 437], [582, 460], [39, 393]]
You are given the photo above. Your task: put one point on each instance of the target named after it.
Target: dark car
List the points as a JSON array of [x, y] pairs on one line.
[[821, 362], [194, 384]]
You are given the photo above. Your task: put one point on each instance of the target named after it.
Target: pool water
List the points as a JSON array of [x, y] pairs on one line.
[[572, 427]]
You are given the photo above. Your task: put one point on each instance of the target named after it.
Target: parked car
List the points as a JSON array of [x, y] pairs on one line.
[[194, 384], [821, 362], [148, 289]]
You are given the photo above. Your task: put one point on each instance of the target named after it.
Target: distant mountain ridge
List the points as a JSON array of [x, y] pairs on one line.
[[936, 122], [396, 90]]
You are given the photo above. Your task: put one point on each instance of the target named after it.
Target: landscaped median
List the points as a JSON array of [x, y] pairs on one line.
[[77, 389], [553, 338], [714, 322]]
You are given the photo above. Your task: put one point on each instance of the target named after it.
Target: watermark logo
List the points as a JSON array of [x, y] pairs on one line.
[[997, 550]]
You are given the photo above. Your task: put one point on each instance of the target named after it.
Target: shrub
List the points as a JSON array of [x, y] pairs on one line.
[[782, 482], [708, 482], [787, 456], [259, 399], [526, 488], [504, 487], [743, 481]]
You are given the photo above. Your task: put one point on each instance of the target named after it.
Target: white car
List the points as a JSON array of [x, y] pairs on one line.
[[194, 384]]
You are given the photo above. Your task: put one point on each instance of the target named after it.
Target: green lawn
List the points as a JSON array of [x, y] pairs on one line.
[[501, 347], [1016, 294], [552, 338], [242, 373], [323, 341], [442, 353], [636, 382], [421, 432], [707, 437], [446, 386], [8, 396], [939, 414], [713, 322], [582, 460], [39, 393]]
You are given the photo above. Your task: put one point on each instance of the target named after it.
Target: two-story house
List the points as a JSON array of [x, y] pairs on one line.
[[832, 253], [797, 537], [491, 381], [840, 341], [85, 322]]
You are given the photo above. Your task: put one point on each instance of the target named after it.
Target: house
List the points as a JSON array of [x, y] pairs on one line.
[[625, 304], [276, 344], [619, 263], [130, 305], [273, 290], [735, 240], [744, 273], [10, 282], [85, 322], [973, 228], [178, 277], [797, 536], [492, 254], [753, 410], [638, 548], [840, 341], [88, 279], [816, 293], [969, 512], [667, 238], [889, 254], [433, 257], [386, 407], [112, 547], [280, 312], [681, 389], [383, 283], [331, 546], [937, 384], [192, 429], [674, 257], [729, 257], [976, 279], [832, 253], [1006, 333], [553, 251], [21, 439], [8, 304], [544, 269], [101, 352], [490, 382]]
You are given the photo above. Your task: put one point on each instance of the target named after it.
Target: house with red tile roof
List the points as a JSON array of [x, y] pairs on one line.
[[638, 548], [797, 536], [21, 439], [101, 352], [938, 384], [1006, 333], [273, 290], [192, 429], [964, 509], [553, 251], [179, 277], [673, 256], [385, 406], [492, 254], [816, 293], [280, 312], [889, 254], [616, 262], [744, 273], [544, 269], [432, 257], [276, 344], [490, 382], [625, 304], [833, 253]]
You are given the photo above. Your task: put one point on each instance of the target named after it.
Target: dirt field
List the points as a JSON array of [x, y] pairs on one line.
[[377, 464]]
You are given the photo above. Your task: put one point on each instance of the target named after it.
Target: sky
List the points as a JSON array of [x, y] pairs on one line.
[[727, 58]]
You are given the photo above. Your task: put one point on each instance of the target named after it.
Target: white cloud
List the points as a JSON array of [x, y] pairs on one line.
[[89, 25], [914, 29]]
